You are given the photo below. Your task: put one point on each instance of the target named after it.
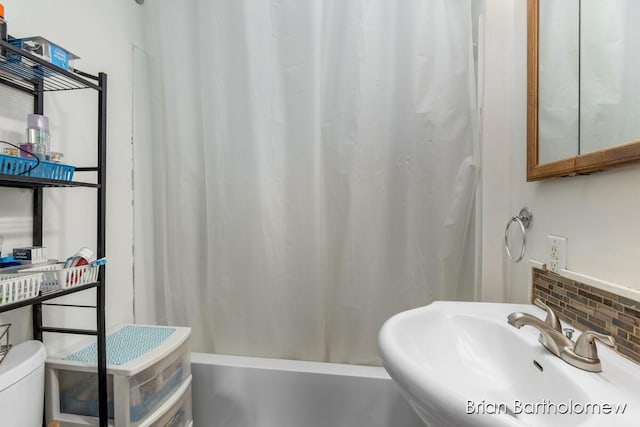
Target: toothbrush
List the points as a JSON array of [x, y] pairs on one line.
[[101, 261]]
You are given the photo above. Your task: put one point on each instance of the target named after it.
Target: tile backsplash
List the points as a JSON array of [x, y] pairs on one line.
[[586, 307]]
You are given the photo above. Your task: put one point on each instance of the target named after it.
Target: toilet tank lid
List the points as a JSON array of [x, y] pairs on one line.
[[21, 360]]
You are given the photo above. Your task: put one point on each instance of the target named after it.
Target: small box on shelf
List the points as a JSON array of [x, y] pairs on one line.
[[43, 48], [33, 254]]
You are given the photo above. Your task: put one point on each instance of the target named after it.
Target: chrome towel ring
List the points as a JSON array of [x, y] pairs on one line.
[[524, 219]]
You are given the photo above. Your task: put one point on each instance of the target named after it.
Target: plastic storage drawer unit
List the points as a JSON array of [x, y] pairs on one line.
[[148, 374], [178, 413]]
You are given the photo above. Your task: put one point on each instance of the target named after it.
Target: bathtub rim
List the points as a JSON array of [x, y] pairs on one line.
[[288, 365]]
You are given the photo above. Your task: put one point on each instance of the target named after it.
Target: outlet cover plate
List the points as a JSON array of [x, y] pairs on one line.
[[556, 253]]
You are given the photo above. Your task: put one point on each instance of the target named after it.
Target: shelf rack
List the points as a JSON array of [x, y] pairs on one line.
[[45, 296], [34, 76], [28, 182]]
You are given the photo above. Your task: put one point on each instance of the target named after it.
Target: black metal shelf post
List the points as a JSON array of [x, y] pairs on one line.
[[102, 220], [34, 76]]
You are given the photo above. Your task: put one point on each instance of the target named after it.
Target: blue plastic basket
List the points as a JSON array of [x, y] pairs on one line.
[[12, 165]]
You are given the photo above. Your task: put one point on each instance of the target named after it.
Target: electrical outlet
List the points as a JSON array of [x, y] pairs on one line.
[[557, 253]]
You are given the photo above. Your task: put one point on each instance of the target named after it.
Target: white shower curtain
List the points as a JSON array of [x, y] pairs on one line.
[[312, 170]]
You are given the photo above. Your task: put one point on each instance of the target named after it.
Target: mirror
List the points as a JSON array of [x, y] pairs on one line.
[[583, 86]]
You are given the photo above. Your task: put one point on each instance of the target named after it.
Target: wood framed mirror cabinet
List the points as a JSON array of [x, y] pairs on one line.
[[583, 93]]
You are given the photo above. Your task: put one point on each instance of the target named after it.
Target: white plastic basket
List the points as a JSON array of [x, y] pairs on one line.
[[19, 287], [55, 276]]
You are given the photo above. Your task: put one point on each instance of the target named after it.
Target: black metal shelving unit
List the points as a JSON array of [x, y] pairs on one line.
[[35, 76]]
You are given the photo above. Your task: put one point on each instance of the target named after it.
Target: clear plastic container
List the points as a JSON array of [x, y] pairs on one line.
[[134, 395], [179, 415], [38, 132], [30, 151]]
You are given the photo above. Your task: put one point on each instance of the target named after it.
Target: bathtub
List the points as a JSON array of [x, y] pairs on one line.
[[233, 391]]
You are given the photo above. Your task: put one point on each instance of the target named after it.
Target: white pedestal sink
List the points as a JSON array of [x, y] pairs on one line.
[[461, 364]]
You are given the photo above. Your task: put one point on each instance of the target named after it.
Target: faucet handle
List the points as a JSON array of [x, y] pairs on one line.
[[552, 318], [586, 344]]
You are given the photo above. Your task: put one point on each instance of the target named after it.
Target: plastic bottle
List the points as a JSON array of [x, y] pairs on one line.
[[38, 135], [82, 257], [3, 30]]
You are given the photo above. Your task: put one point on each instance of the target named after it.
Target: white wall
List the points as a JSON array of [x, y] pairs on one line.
[[144, 102], [497, 130], [597, 213], [102, 33]]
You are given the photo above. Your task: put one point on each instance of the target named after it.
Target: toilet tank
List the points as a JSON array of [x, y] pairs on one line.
[[22, 385]]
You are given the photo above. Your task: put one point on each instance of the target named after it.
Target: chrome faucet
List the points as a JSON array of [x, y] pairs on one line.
[[583, 355], [552, 318]]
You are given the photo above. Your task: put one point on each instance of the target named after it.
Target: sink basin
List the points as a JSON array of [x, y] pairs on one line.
[[461, 364]]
